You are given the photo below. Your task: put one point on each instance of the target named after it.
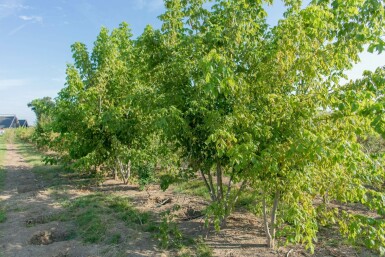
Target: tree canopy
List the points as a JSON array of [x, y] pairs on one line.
[[245, 105]]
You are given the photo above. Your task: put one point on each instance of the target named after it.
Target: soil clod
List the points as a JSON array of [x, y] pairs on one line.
[[47, 237]]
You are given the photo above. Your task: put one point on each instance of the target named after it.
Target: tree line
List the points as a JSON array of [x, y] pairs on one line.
[[219, 93]]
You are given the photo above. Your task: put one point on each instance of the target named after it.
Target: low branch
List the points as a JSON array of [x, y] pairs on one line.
[[207, 185], [219, 182], [212, 188]]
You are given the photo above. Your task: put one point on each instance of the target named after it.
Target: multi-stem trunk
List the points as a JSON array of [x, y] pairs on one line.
[[124, 169], [217, 190], [270, 229], [208, 186]]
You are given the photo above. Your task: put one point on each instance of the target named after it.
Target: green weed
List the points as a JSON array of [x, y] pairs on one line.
[[198, 248], [115, 239], [3, 216], [93, 213], [91, 226], [169, 235], [202, 249], [124, 210], [193, 187]]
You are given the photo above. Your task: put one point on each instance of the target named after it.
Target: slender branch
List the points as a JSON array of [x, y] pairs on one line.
[[128, 170], [219, 181], [240, 190], [212, 185], [229, 184], [207, 185]]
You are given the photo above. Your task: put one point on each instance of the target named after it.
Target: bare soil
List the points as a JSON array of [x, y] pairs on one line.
[[29, 232]]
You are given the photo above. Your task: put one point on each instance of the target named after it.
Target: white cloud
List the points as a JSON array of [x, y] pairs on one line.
[[11, 7], [32, 18]]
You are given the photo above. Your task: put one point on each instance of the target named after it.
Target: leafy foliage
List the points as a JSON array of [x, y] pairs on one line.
[[43, 109], [219, 93]]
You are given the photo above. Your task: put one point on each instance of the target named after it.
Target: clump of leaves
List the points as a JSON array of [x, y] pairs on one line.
[[366, 231], [169, 235]]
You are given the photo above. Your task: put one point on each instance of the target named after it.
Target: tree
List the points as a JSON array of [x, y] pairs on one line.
[[43, 109], [247, 106], [263, 105], [98, 115]]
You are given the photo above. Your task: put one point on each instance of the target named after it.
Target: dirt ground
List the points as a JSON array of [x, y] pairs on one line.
[[27, 199]]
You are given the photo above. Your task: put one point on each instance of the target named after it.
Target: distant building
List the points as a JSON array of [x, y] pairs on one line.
[[23, 123], [11, 121], [8, 121]]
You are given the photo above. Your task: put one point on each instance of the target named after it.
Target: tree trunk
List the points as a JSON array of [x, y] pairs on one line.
[[266, 223], [211, 191], [219, 182], [274, 218], [270, 229], [115, 173], [125, 170], [210, 176]]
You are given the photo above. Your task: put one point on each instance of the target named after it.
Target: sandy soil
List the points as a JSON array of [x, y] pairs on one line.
[[26, 200]]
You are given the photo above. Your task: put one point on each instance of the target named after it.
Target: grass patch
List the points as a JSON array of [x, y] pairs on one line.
[[29, 153], [198, 249], [125, 212], [193, 187], [3, 216], [115, 239], [202, 249], [59, 179], [251, 201], [93, 215], [91, 226]]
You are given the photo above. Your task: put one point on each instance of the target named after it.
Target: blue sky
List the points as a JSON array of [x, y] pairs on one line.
[[36, 35]]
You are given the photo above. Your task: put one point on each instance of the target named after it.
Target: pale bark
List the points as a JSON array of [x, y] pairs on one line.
[[210, 176], [266, 222], [274, 218], [124, 169], [270, 229], [211, 192]]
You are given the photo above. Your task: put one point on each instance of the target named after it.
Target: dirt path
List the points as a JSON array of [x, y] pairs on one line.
[[26, 201]]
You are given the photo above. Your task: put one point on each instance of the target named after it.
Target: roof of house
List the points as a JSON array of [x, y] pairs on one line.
[[23, 123], [8, 121]]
